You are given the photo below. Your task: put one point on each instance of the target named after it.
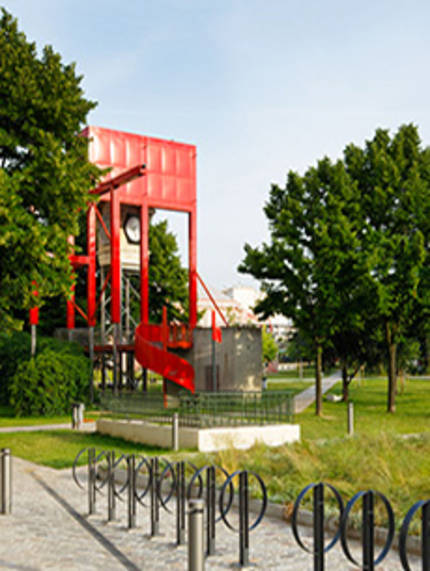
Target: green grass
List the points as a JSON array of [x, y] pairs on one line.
[[370, 404], [397, 467], [58, 448], [308, 373], [295, 386], [7, 418]]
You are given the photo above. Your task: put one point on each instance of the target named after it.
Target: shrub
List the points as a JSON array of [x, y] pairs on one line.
[[49, 383], [15, 351]]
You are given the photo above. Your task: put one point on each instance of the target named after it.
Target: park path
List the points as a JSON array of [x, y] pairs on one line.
[[49, 529], [307, 397]]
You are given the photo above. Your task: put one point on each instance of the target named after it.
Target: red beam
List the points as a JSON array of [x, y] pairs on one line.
[[119, 180], [77, 261], [214, 303], [102, 222]]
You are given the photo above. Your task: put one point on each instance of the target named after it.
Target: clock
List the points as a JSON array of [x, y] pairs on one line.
[[132, 228]]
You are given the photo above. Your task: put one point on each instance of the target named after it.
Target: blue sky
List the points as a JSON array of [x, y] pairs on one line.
[[261, 87]]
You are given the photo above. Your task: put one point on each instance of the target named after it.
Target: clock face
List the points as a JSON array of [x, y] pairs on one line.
[[132, 229]]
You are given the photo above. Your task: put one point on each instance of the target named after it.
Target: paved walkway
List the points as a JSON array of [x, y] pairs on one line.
[[49, 529], [307, 397]]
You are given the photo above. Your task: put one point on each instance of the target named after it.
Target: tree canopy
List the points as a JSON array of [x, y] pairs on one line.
[[45, 174], [348, 248]]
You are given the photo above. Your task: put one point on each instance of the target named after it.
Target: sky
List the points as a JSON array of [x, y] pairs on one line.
[[261, 87]]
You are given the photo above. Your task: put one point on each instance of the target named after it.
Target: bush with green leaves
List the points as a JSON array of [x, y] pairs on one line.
[[70, 365], [48, 383]]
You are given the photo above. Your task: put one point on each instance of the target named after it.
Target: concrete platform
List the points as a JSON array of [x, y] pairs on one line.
[[202, 439]]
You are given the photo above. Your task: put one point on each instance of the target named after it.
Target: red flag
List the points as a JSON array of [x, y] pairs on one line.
[[216, 331]]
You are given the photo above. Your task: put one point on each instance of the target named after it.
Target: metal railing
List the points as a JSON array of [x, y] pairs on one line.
[[209, 409], [205, 409]]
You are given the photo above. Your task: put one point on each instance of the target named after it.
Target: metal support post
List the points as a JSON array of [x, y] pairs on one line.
[[5, 481], [180, 503], [115, 356], [175, 431], [111, 486], [131, 475], [243, 518], [318, 499], [367, 532], [155, 498], [210, 510], [196, 559], [425, 537], [350, 418], [33, 340], [91, 356], [91, 481]]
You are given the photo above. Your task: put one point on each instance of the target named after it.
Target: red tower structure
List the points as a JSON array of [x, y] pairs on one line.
[[146, 173]]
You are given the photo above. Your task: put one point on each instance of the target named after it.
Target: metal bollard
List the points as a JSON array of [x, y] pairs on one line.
[[175, 431], [155, 498], [5, 481], [196, 559], [350, 418], [131, 474], [180, 503], [243, 518], [91, 481], [210, 510], [111, 486]]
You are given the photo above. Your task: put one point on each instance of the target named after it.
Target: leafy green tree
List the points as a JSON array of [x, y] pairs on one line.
[[270, 347], [392, 175], [313, 252], [44, 171]]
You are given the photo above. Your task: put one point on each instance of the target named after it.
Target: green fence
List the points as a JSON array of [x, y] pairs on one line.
[[205, 409]]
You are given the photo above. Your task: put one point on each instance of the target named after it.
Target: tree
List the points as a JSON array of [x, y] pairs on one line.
[[270, 347], [393, 175], [313, 253], [45, 174]]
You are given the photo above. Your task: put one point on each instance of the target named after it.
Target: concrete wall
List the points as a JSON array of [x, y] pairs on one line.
[[238, 359], [203, 439]]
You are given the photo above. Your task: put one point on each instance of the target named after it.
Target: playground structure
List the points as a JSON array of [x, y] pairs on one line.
[[146, 174]]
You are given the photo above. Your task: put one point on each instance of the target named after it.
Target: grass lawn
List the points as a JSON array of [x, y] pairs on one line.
[[58, 448], [308, 373], [293, 385], [7, 418], [370, 402]]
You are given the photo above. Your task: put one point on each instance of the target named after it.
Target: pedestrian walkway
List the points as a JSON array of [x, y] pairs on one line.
[[307, 397], [85, 427], [49, 529]]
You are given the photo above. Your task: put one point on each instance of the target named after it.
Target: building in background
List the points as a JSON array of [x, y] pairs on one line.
[[237, 303]]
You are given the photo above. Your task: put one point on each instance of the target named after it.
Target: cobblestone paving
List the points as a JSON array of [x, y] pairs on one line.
[[49, 529]]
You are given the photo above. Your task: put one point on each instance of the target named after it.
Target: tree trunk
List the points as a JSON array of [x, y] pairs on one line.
[[345, 383], [318, 381], [392, 372]]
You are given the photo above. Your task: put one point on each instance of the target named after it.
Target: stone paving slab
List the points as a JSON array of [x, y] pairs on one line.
[[49, 529]]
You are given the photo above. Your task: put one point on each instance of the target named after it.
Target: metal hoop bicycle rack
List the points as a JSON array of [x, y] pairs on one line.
[[424, 506], [244, 526], [93, 488], [210, 497], [368, 526], [319, 548]]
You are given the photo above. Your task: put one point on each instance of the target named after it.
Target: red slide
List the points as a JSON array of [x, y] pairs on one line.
[[151, 344]]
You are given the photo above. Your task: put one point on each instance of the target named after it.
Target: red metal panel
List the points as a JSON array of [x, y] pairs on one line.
[[91, 252], [192, 264]]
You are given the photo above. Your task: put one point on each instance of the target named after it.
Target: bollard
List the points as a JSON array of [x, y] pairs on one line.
[[5, 481], [131, 496], [350, 418], [210, 510], [155, 497], [243, 519], [175, 431], [195, 535], [91, 481], [180, 503], [77, 415], [111, 486]]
